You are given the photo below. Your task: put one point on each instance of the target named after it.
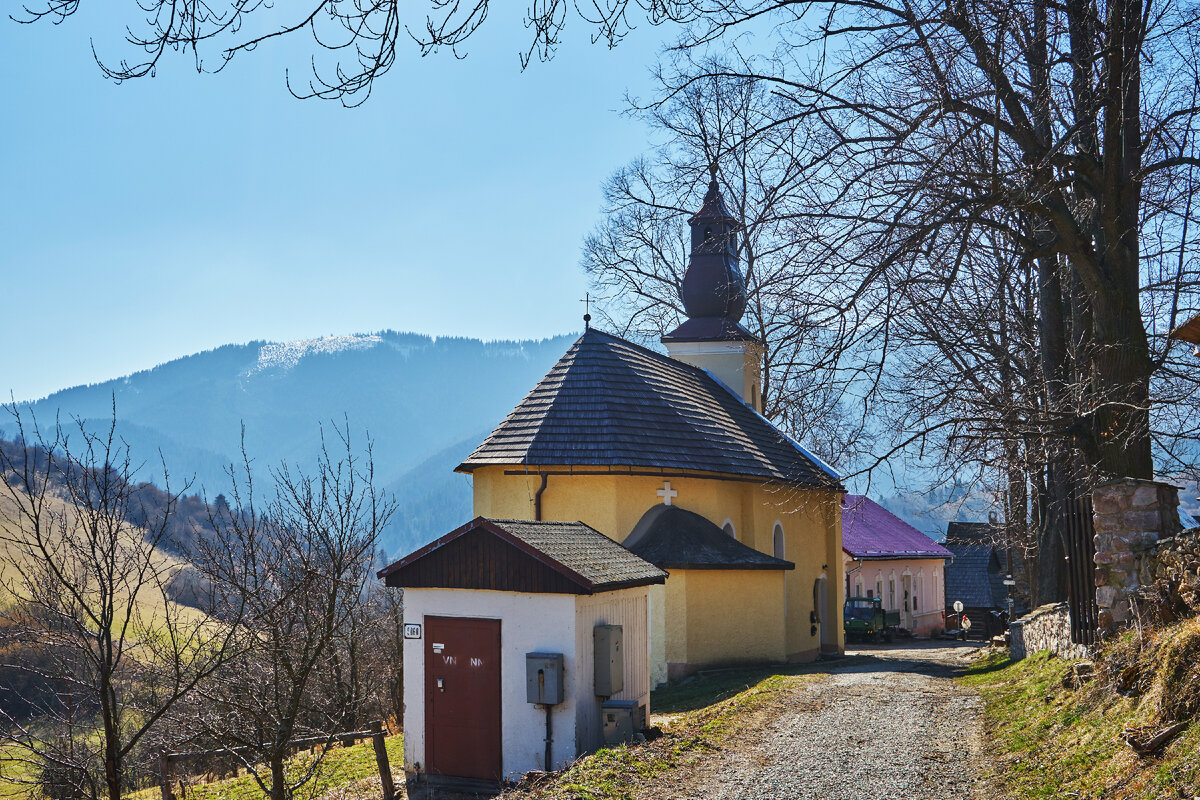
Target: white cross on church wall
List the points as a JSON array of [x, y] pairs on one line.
[[666, 493]]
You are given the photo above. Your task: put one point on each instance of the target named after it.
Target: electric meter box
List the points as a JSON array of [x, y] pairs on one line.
[[544, 678], [622, 719], [609, 659]]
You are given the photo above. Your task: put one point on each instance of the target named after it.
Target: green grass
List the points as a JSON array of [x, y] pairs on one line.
[[342, 767], [13, 774], [1050, 741]]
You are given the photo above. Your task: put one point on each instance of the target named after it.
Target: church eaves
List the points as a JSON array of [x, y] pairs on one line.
[[611, 403]]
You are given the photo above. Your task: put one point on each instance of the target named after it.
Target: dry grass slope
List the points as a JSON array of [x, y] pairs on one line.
[[1052, 740], [152, 608]]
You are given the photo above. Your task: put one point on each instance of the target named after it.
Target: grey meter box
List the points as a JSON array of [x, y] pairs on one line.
[[610, 660], [622, 719], [544, 678]]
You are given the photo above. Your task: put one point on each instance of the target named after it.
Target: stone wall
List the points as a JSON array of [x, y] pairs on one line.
[[1045, 628], [1171, 581], [1130, 517]]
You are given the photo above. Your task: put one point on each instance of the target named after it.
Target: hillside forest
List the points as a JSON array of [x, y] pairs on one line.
[[135, 619]]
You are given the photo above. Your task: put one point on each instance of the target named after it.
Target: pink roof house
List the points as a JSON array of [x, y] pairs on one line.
[[886, 557]]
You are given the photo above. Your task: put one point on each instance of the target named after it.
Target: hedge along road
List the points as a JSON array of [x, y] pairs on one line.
[[889, 724]]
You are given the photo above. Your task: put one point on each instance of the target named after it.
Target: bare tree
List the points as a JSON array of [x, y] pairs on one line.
[[87, 617], [300, 567], [637, 256]]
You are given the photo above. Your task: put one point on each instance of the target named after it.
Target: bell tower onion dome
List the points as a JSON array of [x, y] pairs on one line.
[[714, 298], [713, 285]]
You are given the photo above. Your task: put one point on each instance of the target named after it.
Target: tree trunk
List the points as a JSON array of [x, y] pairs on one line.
[[1122, 353], [278, 782]]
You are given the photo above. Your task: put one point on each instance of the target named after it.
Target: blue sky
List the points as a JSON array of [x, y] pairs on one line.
[[145, 221]]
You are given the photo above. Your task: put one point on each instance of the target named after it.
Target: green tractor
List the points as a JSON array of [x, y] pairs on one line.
[[864, 618]]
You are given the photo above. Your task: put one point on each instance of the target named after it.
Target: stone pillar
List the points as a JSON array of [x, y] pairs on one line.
[[1130, 515]]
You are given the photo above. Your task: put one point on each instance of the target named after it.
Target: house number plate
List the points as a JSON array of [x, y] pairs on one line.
[[412, 630]]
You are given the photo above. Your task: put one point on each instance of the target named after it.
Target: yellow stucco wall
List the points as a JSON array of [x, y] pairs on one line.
[[749, 628], [612, 504]]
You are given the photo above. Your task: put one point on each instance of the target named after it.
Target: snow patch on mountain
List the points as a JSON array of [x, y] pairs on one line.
[[285, 355]]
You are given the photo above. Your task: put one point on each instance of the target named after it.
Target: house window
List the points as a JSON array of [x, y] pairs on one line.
[[870, 594], [891, 592], [879, 587], [916, 594], [858, 589]]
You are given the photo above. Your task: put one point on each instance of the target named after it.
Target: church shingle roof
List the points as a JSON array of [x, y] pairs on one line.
[[609, 402]]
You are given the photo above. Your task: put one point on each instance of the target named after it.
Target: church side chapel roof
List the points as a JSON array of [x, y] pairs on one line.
[[523, 556], [609, 402], [675, 538], [870, 531]]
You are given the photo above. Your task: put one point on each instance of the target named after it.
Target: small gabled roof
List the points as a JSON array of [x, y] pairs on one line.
[[609, 402], [974, 577], [523, 556], [675, 538], [870, 531]]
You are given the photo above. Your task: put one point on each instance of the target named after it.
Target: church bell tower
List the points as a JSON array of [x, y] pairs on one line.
[[713, 292]]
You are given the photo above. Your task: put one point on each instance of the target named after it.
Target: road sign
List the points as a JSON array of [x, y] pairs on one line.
[[1010, 582], [958, 606]]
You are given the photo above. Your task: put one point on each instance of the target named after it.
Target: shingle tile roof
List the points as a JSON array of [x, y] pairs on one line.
[[974, 577], [581, 553], [609, 402], [959, 532], [584, 550], [870, 531], [675, 538]]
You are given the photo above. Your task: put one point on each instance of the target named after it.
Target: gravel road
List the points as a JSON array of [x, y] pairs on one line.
[[889, 724]]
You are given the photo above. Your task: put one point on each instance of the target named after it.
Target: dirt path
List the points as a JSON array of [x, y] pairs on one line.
[[888, 724]]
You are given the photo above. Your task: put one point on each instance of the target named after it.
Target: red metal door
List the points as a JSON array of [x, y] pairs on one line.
[[462, 697]]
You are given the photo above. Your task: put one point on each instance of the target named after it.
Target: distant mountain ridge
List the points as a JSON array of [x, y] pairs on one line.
[[425, 402]]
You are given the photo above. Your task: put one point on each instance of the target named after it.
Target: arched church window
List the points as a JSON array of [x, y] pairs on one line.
[[777, 548], [728, 528]]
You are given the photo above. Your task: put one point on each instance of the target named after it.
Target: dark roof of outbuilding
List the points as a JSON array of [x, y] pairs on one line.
[[870, 531], [675, 538], [958, 532], [609, 402], [584, 557], [974, 577]]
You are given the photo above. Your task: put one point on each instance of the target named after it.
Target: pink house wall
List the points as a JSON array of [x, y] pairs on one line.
[[887, 579]]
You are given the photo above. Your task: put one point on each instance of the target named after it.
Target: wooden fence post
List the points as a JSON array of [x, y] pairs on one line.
[[381, 759], [164, 777]]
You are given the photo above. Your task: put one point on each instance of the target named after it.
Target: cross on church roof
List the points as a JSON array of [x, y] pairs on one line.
[[587, 310], [666, 493]]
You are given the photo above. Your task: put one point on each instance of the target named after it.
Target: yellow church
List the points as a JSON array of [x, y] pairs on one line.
[[670, 456]]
